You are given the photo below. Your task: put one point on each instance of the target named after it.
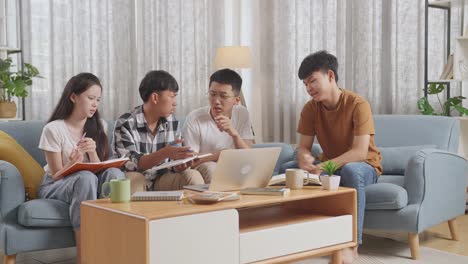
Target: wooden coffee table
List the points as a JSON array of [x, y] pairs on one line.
[[263, 229]]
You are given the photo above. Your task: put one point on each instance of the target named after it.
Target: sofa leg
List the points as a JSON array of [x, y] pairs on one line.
[[453, 229], [414, 245], [9, 259]]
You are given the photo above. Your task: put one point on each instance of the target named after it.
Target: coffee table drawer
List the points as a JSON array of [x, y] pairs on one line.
[[279, 240], [211, 237]]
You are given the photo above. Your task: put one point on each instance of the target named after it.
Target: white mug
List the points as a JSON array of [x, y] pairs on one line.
[[295, 178]]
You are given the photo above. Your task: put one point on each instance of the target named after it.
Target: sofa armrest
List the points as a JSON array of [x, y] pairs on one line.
[[11, 192], [435, 174]]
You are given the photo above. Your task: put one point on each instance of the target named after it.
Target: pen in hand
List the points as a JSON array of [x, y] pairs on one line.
[[82, 137]]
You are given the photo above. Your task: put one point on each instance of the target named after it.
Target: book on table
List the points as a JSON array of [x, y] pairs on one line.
[[280, 180], [158, 196], [173, 163], [94, 167], [266, 191]]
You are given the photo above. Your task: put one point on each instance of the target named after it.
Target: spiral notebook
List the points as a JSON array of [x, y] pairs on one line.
[[158, 196]]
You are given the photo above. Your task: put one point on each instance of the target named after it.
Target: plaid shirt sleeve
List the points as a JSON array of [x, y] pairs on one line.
[[125, 145]]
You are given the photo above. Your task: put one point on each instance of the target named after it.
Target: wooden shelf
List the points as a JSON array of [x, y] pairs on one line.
[[10, 119], [9, 48], [444, 81], [254, 219], [460, 58], [443, 3]]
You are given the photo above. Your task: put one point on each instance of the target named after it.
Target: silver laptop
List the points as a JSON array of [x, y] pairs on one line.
[[238, 169]]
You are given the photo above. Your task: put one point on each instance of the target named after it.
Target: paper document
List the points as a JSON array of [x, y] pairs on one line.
[[180, 161]]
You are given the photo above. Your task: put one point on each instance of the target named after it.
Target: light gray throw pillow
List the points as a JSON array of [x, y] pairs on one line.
[[394, 159]]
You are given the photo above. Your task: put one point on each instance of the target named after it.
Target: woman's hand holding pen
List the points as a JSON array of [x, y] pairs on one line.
[[75, 156], [86, 145]]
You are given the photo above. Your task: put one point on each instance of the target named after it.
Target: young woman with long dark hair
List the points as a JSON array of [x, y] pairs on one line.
[[76, 133]]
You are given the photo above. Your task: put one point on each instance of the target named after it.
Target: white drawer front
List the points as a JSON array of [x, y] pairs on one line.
[[201, 238], [284, 240]]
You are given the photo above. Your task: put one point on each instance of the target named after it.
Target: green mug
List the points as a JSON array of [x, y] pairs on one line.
[[119, 190]]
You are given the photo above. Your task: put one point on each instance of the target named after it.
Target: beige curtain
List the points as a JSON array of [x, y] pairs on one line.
[[119, 41], [379, 46]]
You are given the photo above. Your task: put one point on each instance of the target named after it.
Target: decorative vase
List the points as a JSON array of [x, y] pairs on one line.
[[330, 183], [7, 109]]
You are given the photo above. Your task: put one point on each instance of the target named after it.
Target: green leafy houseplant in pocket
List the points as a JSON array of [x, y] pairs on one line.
[[13, 84], [330, 181], [447, 107]]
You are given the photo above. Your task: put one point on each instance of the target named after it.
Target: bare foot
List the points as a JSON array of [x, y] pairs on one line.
[[349, 255]]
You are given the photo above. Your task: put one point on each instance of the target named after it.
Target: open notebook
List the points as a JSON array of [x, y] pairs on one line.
[[280, 180], [94, 167]]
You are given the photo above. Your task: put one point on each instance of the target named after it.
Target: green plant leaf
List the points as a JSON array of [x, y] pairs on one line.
[[330, 167], [15, 83], [5, 65], [20, 88], [457, 100], [435, 88], [462, 110], [425, 107]]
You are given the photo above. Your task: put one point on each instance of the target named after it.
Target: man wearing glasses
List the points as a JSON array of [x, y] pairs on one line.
[[223, 125]]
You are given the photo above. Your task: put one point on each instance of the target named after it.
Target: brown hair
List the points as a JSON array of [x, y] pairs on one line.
[[93, 126]]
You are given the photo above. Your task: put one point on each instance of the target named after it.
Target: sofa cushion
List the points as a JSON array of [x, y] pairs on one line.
[[44, 213], [394, 179], [385, 196], [30, 170], [395, 159]]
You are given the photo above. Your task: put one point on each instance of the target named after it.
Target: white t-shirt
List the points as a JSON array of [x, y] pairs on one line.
[[56, 137], [202, 135]]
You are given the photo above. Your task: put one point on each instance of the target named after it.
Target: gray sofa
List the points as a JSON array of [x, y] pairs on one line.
[[42, 224], [423, 181], [423, 184]]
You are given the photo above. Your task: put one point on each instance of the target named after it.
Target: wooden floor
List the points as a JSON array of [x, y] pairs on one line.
[[437, 237]]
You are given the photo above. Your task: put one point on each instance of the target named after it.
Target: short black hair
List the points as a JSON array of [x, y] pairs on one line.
[[157, 81], [318, 61], [228, 76]]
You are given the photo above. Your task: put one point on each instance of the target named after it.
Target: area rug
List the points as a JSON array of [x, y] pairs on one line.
[[386, 251], [375, 250]]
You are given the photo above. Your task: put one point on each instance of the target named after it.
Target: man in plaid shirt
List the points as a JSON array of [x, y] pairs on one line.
[[147, 135]]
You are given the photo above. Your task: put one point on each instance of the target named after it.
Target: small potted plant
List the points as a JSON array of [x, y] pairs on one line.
[[330, 181], [13, 84]]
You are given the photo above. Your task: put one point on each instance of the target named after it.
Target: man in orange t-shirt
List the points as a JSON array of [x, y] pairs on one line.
[[343, 124]]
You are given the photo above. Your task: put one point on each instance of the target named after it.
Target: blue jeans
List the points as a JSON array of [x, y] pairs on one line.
[[77, 187], [355, 175]]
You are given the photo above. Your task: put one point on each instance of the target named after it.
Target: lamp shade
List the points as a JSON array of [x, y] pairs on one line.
[[233, 57]]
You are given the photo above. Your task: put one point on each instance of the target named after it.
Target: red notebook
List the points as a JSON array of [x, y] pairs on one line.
[[94, 167]]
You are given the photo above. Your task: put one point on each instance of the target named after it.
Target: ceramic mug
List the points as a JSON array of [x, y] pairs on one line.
[[295, 178], [119, 190]]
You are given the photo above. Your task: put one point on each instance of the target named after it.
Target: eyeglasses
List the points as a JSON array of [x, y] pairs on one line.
[[222, 96]]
